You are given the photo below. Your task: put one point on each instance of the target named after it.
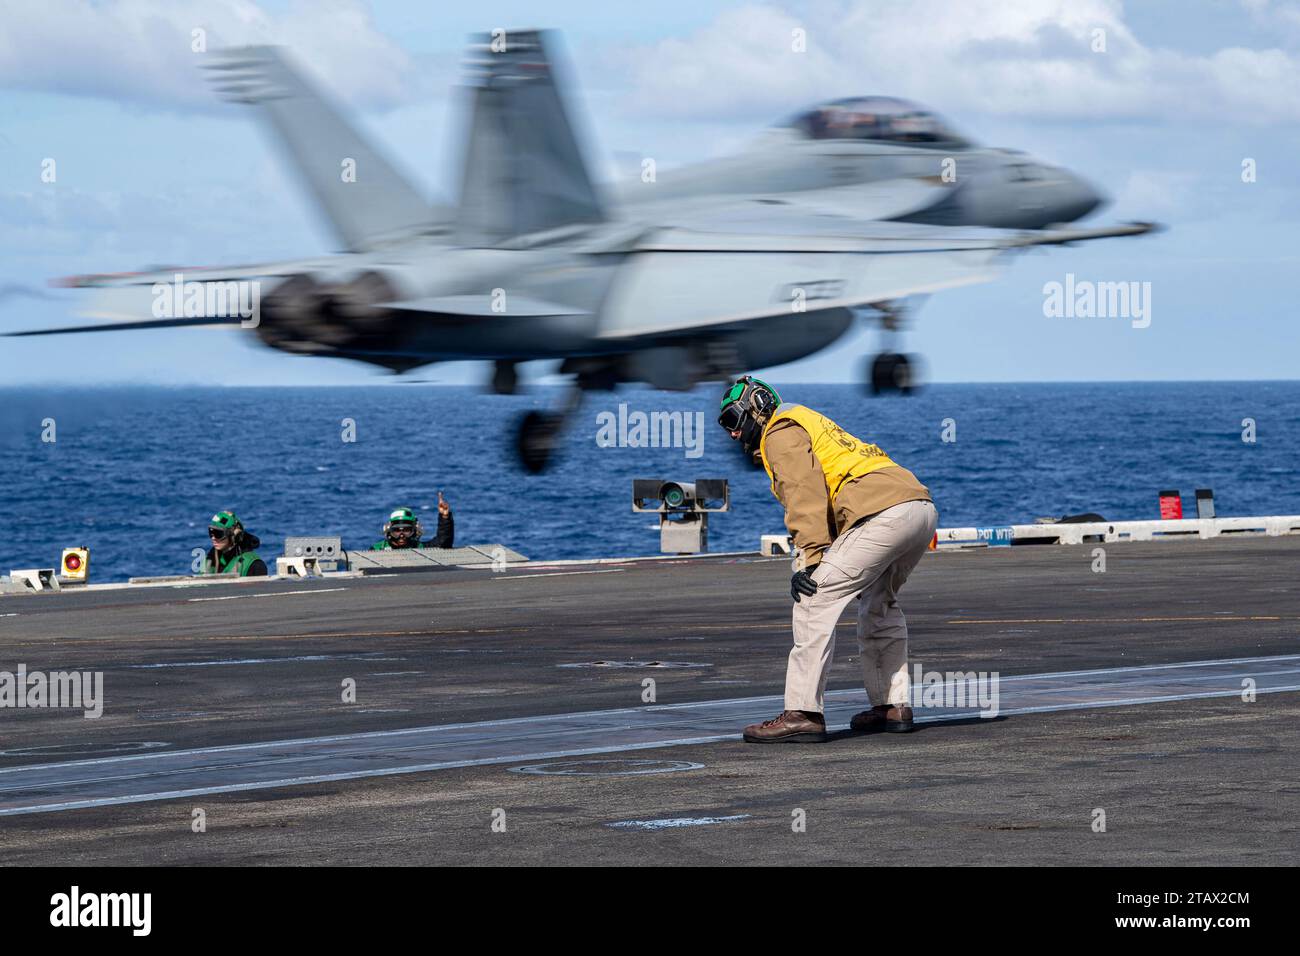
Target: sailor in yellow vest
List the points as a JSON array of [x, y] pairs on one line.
[[860, 524]]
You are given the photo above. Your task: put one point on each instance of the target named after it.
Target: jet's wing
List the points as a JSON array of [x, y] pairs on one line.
[[672, 284], [168, 274], [125, 300], [1067, 234], [176, 323], [363, 196]]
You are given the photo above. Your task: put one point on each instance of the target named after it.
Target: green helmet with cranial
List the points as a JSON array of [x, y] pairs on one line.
[[225, 521], [747, 405], [403, 516], [743, 389]]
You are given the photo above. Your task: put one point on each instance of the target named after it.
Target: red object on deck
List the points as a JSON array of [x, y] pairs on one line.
[[1171, 506]]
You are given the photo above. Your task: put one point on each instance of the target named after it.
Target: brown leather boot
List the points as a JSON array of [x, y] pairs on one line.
[[789, 727], [891, 719]]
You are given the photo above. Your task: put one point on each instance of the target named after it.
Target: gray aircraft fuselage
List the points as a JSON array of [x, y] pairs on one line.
[[988, 187]]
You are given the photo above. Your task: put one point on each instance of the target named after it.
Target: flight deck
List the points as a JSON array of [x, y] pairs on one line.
[[591, 713]]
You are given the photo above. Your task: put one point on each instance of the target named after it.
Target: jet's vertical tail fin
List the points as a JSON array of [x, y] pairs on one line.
[[524, 171], [365, 199]]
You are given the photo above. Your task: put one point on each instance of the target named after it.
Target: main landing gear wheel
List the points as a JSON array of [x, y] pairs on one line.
[[539, 436], [891, 372], [505, 378]]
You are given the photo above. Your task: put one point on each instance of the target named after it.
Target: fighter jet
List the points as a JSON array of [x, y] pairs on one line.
[[744, 263]]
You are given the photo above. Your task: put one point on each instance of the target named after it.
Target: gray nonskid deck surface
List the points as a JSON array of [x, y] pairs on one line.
[[1125, 690], [161, 776]]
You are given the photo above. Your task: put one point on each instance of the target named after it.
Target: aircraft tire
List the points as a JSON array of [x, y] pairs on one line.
[[537, 439], [891, 372]]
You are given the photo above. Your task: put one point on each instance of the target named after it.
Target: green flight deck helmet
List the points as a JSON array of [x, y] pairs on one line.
[[403, 529], [225, 521], [746, 406]]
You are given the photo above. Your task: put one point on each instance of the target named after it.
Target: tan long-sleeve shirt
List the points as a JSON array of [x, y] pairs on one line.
[[810, 517]]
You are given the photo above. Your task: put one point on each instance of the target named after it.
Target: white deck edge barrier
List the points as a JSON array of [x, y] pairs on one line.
[[1108, 531]]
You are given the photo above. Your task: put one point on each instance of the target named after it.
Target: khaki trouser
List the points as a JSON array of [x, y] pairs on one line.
[[870, 561]]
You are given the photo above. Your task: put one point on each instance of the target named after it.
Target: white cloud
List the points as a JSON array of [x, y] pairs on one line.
[[1284, 13], [1032, 58], [140, 50]]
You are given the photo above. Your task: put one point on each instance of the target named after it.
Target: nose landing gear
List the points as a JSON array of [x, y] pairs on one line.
[[891, 372], [541, 433]]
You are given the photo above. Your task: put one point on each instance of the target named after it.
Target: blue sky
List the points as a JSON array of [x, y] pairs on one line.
[[153, 168]]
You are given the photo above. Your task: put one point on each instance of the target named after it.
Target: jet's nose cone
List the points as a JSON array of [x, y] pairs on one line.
[[1083, 197]]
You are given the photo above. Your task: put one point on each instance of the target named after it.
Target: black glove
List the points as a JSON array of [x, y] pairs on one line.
[[802, 583]]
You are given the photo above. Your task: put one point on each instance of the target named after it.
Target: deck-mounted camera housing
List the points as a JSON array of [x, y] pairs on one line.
[[683, 509]]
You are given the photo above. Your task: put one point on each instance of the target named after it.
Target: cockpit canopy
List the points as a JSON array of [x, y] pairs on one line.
[[881, 119]]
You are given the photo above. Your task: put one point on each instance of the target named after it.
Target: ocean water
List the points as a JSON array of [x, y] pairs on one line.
[[135, 473]]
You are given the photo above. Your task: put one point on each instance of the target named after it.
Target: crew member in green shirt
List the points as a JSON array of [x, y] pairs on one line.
[[234, 550]]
